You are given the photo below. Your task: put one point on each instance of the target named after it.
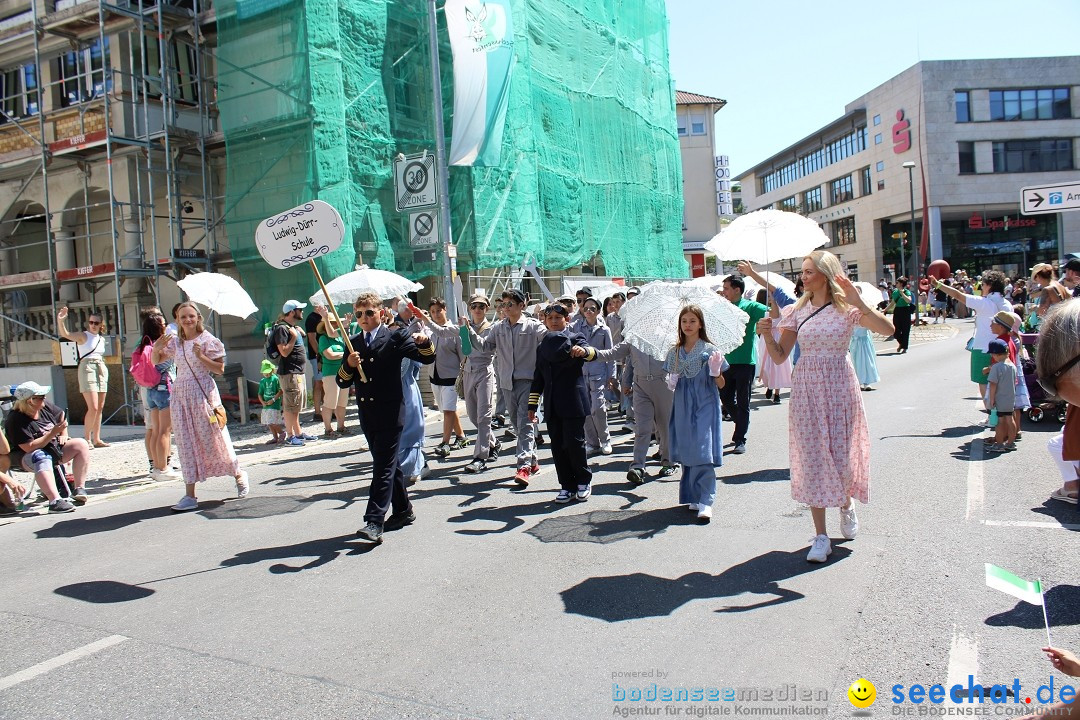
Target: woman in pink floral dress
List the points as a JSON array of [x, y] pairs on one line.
[[205, 449], [828, 439]]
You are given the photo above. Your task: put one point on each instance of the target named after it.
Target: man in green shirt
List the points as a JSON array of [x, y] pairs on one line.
[[739, 377]]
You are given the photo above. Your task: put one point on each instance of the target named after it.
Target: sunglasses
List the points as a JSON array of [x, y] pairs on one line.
[[93, 322], [1049, 383], [481, 306], [365, 313], [590, 308]]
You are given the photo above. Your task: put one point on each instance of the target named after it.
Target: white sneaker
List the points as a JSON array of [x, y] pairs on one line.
[[242, 485], [165, 475], [820, 550], [606, 449], [186, 503], [583, 492], [564, 497], [704, 513], [849, 521], [692, 507]]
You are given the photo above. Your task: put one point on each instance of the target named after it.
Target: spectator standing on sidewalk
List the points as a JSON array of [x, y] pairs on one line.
[[742, 362], [93, 372], [311, 331], [331, 354], [270, 397], [291, 342], [448, 361]]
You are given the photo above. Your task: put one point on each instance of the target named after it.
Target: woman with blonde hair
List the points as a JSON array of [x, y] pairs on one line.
[[204, 446], [828, 439]]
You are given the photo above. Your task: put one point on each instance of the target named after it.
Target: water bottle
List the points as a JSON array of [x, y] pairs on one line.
[[466, 343], [993, 418]]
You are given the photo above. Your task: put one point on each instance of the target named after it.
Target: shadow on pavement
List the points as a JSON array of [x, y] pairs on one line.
[[950, 432], [255, 507], [608, 526], [637, 596], [104, 591], [77, 527], [321, 551], [1062, 608], [1064, 513], [773, 475]]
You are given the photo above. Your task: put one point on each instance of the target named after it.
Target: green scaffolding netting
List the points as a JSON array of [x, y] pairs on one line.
[[316, 99]]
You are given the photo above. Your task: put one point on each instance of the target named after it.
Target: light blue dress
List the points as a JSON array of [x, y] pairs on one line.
[[694, 431], [410, 448], [864, 356]]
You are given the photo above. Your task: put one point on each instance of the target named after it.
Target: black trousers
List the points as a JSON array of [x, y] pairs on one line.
[[735, 398], [567, 437], [387, 480], [902, 322]]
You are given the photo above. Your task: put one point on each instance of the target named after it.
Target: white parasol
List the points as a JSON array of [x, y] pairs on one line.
[[765, 236], [220, 293], [343, 290], [650, 320], [870, 293]]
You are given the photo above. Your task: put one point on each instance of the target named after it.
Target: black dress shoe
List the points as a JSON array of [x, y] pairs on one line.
[[372, 532], [400, 520]]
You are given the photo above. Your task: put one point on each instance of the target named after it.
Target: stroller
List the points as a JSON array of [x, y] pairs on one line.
[[1042, 404]]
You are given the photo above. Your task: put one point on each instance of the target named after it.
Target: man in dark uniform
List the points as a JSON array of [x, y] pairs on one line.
[[558, 376], [378, 350]]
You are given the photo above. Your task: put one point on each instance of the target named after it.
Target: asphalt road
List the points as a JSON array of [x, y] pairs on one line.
[[499, 603]]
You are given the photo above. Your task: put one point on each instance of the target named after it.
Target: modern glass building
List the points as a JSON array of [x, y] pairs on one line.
[[977, 130]]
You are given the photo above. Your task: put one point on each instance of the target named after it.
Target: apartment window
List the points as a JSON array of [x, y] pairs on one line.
[[877, 120], [966, 157], [877, 138], [1033, 155], [880, 167], [1030, 104], [840, 190], [789, 204], [83, 75], [963, 106], [866, 182], [844, 231], [833, 152], [697, 123], [179, 72], [18, 93], [681, 117], [812, 200]]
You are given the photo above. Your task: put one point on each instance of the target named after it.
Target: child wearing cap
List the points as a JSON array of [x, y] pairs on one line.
[[270, 397], [1002, 396]]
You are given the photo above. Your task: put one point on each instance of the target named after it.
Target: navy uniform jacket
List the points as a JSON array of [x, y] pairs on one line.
[[380, 398], [559, 378]]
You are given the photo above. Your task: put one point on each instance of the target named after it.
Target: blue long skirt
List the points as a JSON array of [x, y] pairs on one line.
[[410, 449]]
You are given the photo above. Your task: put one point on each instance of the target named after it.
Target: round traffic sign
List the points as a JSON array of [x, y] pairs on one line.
[[415, 177], [424, 224]]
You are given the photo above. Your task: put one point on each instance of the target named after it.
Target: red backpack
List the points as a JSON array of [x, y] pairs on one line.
[[142, 367]]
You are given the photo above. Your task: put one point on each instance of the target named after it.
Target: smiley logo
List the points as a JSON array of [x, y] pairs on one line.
[[862, 693]]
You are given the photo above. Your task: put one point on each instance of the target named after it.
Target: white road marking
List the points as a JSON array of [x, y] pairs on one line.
[[976, 491], [60, 660], [963, 661], [1049, 525]]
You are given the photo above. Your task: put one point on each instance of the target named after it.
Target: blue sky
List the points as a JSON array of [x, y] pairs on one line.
[[786, 68]]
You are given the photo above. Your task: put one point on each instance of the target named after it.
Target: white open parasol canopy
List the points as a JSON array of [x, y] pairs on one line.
[[220, 293], [650, 320], [765, 236], [344, 289]]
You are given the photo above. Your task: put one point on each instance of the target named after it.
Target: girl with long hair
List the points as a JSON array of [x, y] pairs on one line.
[[695, 369], [205, 447], [157, 401], [828, 439]]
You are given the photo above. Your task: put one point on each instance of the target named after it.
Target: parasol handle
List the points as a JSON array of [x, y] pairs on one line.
[[333, 309]]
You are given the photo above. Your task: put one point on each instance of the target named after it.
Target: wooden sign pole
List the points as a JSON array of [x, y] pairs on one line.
[[340, 325]]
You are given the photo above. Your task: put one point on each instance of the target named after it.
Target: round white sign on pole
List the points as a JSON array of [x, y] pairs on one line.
[[303, 233]]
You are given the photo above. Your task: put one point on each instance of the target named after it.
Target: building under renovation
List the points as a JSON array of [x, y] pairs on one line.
[[142, 141]]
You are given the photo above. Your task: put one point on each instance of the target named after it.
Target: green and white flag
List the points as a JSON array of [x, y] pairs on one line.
[[482, 40], [1006, 582]]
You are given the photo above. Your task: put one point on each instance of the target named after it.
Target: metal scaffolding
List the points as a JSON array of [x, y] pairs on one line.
[[120, 95]]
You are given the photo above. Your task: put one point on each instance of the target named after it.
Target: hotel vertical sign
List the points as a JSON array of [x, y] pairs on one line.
[[723, 186]]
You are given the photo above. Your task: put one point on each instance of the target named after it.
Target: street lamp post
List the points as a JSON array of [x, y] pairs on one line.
[[910, 165]]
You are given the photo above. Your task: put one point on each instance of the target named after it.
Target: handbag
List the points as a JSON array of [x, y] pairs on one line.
[[459, 384], [217, 415]]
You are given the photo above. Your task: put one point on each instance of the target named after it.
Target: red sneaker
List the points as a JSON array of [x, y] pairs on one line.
[[535, 469], [521, 478]]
